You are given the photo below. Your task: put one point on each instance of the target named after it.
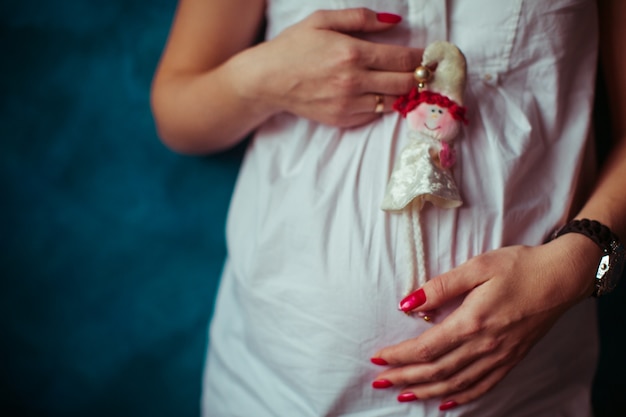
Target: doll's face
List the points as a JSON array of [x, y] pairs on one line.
[[433, 121]]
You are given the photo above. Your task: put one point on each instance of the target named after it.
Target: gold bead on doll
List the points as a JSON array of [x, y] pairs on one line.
[[422, 75]]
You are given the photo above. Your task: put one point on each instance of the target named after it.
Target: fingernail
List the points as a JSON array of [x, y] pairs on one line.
[[379, 361], [405, 397], [388, 18], [382, 383], [413, 300], [448, 405]]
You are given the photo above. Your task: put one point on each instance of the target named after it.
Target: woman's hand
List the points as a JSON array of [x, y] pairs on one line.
[[319, 70], [513, 297], [211, 88]]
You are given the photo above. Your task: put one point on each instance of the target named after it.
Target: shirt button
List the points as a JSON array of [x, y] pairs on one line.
[[490, 78]]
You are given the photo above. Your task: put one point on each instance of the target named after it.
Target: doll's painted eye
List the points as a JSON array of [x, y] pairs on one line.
[[440, 111]]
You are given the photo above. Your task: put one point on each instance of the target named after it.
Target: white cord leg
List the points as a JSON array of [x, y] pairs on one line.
[[418, 239], [411, 252]]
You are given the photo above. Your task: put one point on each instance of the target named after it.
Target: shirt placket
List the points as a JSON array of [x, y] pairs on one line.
[[429, 22]]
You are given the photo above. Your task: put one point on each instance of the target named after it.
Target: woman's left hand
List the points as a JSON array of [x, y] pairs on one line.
[[513, 297]]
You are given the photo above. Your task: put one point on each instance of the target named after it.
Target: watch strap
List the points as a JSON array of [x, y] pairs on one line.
[[611, 247], [593, 229]]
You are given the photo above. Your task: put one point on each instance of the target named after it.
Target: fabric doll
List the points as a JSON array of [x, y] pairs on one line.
[[434, 113]]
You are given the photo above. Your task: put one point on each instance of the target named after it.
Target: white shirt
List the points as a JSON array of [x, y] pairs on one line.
[[316, 268]]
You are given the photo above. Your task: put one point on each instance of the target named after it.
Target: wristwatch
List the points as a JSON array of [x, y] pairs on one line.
[[613, 253]]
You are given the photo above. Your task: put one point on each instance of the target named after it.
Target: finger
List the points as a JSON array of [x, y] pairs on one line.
[[446, 336], [354, 111], [443, 288], [359, 19], [429, 373], [396, 58], [376, 82], [477, 389], [369, 103], [354, 120], [428, 347], [464, 386], [389, 83]]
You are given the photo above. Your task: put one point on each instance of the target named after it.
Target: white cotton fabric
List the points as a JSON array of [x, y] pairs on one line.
[[315, 268]]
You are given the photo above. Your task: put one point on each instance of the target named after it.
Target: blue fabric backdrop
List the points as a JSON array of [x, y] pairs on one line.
[[111, 245]]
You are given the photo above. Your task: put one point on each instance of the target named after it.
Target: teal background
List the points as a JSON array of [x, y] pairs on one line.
[[111, 245]]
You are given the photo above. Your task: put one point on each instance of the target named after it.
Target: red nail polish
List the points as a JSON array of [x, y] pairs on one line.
[[405, 397], [382, 383], [379, 361], [388, 18], [448, 405], [413, 300]]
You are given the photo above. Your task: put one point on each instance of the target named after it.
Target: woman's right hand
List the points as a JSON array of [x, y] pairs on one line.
[[319, 70], [211, 88]]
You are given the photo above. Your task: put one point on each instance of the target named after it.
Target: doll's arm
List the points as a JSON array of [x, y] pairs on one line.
[[447, 155]]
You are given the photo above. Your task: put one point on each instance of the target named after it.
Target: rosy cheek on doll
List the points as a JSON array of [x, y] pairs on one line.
[[418, 116], [434, 121]]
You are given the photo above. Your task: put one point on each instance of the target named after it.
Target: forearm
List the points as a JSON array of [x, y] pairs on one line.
[[195, 99], [204, 112], [607, 203]]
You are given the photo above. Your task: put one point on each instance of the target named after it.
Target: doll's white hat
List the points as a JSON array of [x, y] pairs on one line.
[[443, 71]]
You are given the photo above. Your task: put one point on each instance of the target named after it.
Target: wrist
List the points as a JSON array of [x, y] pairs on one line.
[[249, 76], [579, 256], [609, 252]]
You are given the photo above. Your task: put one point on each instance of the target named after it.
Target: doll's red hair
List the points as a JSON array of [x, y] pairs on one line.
[[404, 104]]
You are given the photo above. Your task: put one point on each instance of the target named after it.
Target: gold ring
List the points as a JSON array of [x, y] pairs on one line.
[[380, 104], [426, 315]]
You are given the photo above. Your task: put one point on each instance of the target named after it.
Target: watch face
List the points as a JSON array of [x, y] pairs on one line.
[[616, 262], [605, 266]]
